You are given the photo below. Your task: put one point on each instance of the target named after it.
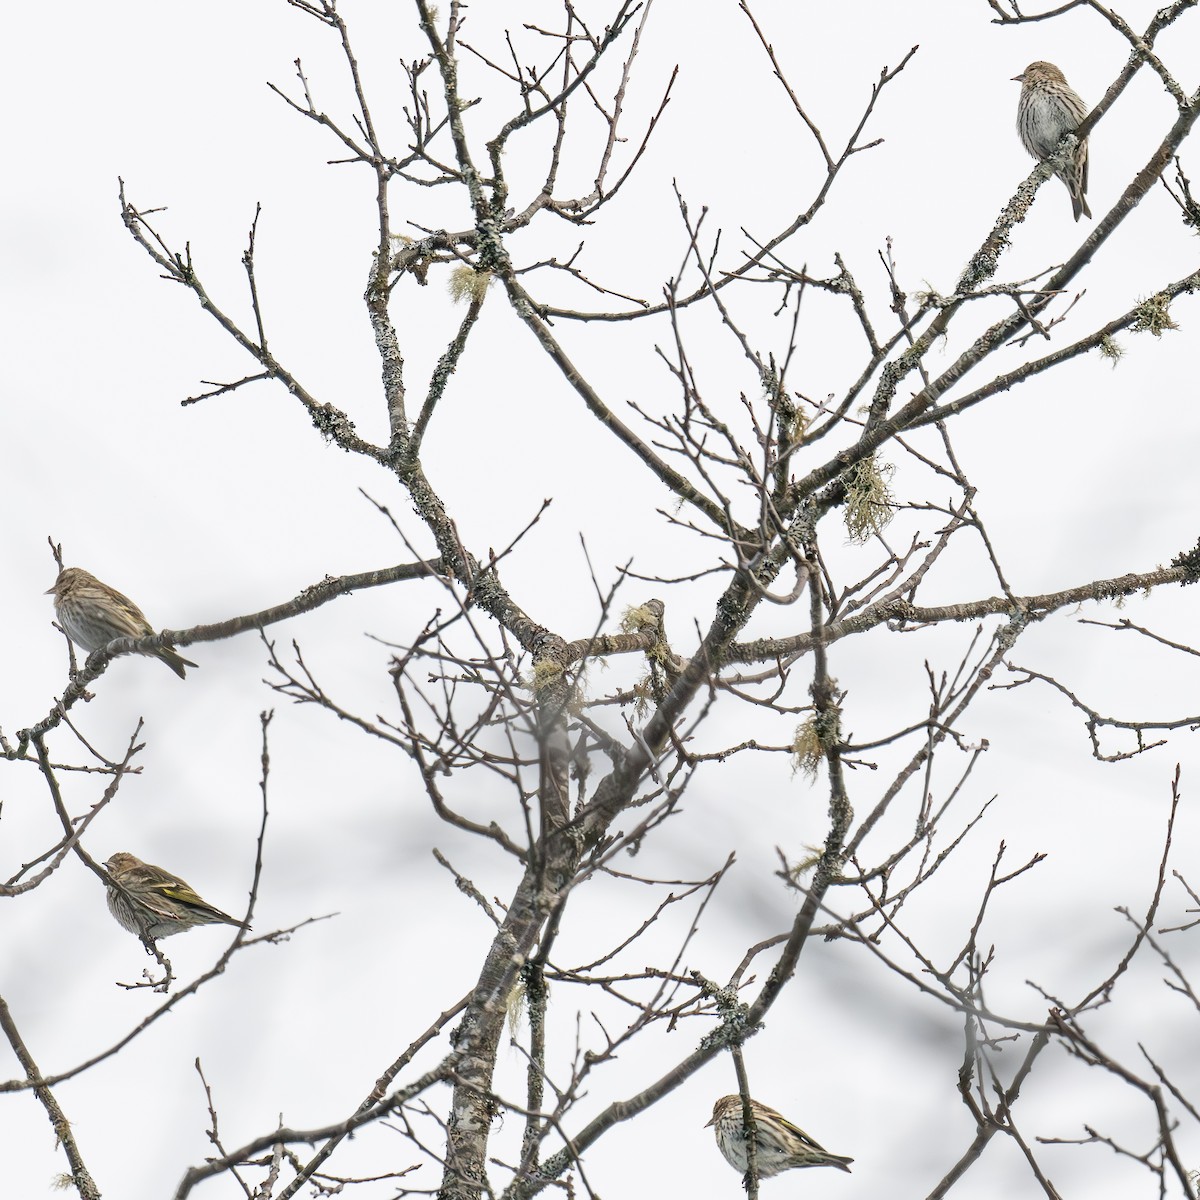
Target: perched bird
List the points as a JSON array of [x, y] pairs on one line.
[[92, 614], [153, 903], [781, 1145], [1047, 110]]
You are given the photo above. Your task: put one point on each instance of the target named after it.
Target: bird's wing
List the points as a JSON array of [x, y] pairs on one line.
[[809, 1143]]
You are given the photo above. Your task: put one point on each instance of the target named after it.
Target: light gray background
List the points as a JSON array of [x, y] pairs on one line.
[[224, 508]]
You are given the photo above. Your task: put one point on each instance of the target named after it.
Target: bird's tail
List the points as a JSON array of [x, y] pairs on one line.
[[176, 661]]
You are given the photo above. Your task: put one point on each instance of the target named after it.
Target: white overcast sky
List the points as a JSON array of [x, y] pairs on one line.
[[226, 507]]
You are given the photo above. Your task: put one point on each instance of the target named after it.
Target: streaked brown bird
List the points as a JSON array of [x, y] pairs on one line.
[[782, 1146], [92, 614], [153, 903], [1047, 110]]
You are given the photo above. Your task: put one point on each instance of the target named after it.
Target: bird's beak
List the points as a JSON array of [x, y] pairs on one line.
[[710, 1121], [1019, 78], [48, 592]]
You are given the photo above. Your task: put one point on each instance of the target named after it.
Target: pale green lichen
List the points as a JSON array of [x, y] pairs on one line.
[[545, 672], [814, 739], [1154, 315], [637, 618], [643, 693], [1111, 349], [806, 864], [869, 499], [466, 283], [806, 748], [515, 1007]]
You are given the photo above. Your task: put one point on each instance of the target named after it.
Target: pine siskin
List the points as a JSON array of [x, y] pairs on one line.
[[153, 903], [92, 614], [781, 1145], [1047, 110]]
